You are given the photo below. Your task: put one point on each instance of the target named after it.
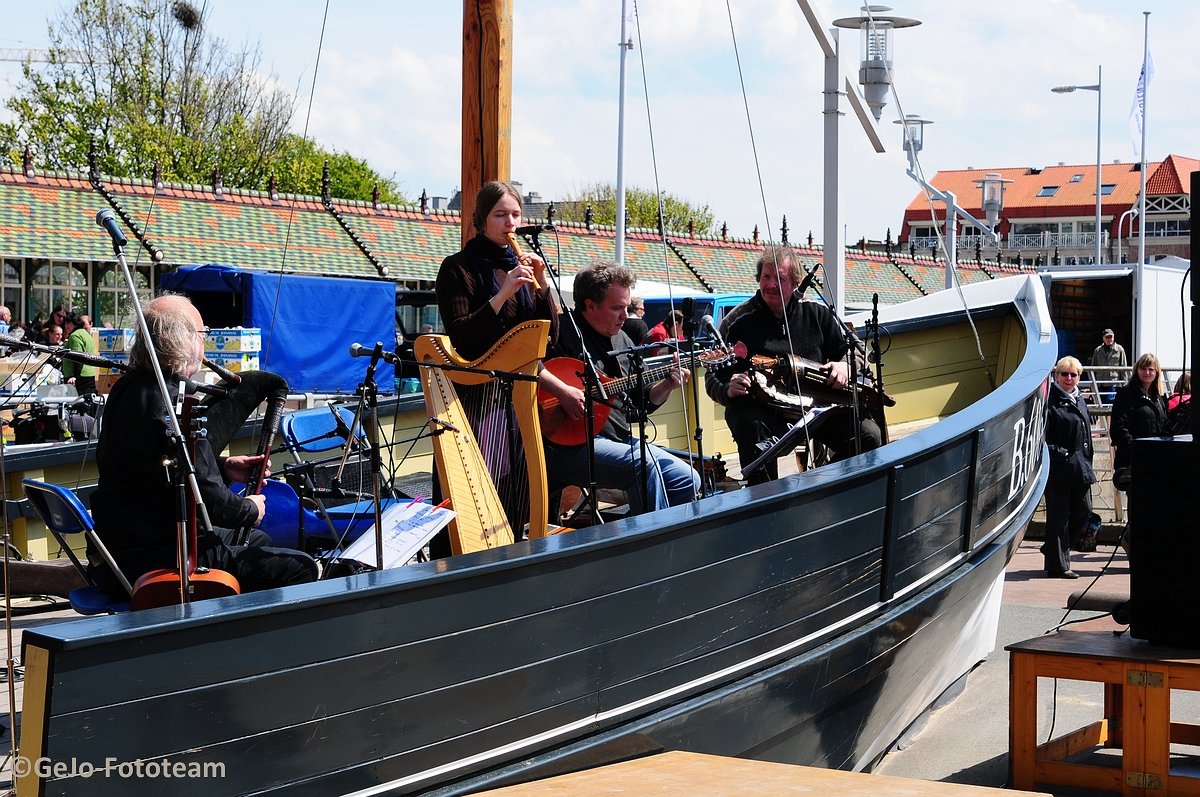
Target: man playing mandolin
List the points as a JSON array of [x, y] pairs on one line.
[[601, 294], [777, 322], [135, 503]]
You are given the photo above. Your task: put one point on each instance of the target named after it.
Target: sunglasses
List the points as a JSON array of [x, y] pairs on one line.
[[1071, 374]]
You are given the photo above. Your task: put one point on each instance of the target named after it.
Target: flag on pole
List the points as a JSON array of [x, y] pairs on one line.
[[1137, 112]]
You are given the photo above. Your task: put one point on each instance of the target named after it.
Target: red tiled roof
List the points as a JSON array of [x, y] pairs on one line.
[[1171, 176], [1072, 195]]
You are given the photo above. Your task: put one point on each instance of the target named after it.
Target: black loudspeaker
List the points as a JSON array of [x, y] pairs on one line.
[[1164, 557]]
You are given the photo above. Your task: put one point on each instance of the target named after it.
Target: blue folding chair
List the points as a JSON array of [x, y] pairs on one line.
[[324, 429], [64, 514]]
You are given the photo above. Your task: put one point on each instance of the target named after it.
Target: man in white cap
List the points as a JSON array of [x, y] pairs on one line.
[[1109, 353]]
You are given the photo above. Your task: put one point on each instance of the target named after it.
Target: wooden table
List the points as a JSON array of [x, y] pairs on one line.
[[678, 773], [1138, 678]]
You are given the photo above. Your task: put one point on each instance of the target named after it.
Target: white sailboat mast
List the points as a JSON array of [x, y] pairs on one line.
[[626, 44]]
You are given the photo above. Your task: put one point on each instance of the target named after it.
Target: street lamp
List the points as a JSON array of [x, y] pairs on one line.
[[875, 51], [992, 186], [1099, 94]]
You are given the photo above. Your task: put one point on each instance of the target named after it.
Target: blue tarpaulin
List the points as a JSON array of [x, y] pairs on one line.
[[308, 323]]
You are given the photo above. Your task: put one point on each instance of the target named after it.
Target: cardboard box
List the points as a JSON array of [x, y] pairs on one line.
[[115, 340], [233, 339], [117, 357], [235, 361]]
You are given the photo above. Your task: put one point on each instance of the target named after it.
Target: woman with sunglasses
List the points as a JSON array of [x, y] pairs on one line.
[[1069, 489]]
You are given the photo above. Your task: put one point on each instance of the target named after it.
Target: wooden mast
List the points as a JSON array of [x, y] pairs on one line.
[[486, 99]]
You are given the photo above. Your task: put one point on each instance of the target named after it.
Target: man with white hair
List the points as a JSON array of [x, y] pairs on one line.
[[134, 505]]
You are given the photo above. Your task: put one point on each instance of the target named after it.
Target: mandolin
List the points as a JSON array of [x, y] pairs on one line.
[[558, 428], [165, 586]]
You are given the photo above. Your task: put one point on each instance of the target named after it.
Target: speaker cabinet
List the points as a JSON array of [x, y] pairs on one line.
[[1164, 557]]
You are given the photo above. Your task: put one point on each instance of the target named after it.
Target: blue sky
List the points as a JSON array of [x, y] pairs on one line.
[[387, 90]]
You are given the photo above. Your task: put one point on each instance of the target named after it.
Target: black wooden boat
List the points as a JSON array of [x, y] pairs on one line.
[[808, 620]]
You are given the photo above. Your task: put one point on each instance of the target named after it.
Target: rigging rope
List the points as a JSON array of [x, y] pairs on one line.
[[662, 222]]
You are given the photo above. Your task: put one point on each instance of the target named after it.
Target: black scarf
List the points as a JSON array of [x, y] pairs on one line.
[[485, 257]]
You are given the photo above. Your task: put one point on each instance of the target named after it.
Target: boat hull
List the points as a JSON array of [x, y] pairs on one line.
[[807, 620]]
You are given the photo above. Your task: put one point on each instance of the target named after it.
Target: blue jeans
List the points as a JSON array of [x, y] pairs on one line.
[[672, 481]]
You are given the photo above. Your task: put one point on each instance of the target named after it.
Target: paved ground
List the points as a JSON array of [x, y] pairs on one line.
[[966, 741]]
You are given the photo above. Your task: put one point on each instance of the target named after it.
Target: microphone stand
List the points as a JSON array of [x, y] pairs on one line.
[[853, 347], [185, 467], [873, 336], [689, 331], [590, 378], [368, 402], [637, 364]]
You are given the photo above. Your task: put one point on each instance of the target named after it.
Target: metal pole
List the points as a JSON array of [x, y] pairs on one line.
[[625, 45], [951, 238], [1139, 305], [832, 255], [1099, 94]]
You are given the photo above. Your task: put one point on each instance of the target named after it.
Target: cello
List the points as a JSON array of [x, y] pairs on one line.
[[188, 582]]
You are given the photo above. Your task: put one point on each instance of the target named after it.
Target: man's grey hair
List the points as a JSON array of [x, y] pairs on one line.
[[781, 257], [173, 334]]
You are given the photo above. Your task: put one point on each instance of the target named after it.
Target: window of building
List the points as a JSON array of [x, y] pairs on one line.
[[1075, 178], [54, 284], [1168, 227], [10, 288], [1048, 190], [1106, 189], [112, 296]]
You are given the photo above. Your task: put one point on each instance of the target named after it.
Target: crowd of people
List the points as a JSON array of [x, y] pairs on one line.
[[1142, 406]]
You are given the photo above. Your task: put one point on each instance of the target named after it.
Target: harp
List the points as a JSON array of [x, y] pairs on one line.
[[480, 520]]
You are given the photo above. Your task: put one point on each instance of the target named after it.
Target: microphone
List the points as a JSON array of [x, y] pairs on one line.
[[807, 282], [342, 429], [689, 317], [532, 230], [223, 372], [14, 342], [108, 221], [356, 350], [437, 426], [707, 323]]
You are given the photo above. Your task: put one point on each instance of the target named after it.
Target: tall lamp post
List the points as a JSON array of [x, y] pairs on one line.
[[990, 185], [1099, 94]]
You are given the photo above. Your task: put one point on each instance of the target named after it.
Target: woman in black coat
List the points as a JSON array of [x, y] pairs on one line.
[[1068, 491], [1139, 409]]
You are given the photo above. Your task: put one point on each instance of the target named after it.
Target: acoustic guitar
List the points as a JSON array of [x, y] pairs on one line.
[[558, 428], [165, 586]]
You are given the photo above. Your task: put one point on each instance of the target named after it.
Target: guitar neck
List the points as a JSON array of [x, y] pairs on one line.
[[623, 384]]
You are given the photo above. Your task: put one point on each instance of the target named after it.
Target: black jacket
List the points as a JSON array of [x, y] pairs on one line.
[[134, 505], [1069, 439], [815, 335], [1135, 414]]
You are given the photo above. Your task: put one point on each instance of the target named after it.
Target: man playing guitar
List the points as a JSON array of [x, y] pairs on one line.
[[778, 322], [601, 297]]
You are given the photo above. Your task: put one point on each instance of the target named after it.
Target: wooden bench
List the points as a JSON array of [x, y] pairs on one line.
[[1138, 678], [679, 773]]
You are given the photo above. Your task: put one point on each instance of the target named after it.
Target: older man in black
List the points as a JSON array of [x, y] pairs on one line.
[[135, 506], [776, 322]]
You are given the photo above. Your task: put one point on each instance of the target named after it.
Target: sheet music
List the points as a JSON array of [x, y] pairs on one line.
[[406, 529]]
